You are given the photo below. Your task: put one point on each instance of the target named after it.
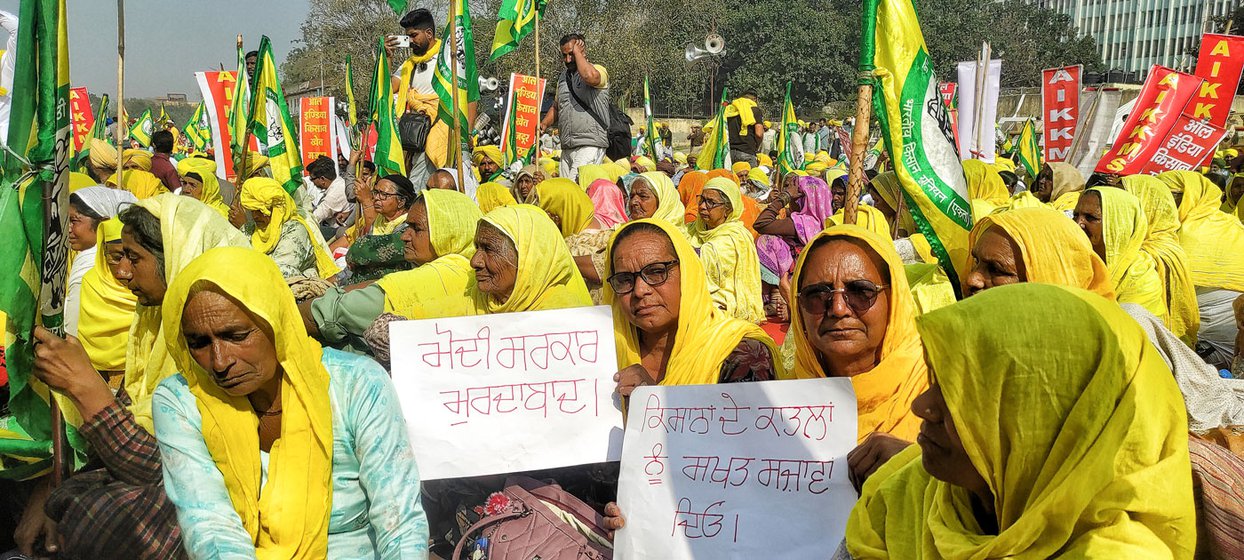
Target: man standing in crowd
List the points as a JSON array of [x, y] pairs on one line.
[[696, 138], [161, 166], [581, 112], [746, 125], [824, 135], [770, 136]]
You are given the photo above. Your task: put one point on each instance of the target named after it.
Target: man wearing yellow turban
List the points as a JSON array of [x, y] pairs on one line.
[[745, 123], [488, 161], [137, 176]]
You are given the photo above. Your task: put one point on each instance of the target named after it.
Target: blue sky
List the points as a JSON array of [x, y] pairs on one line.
[[168, 40]]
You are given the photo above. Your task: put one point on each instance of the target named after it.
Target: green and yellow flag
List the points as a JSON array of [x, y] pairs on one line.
[[515, 20], [238, 112], [916, 128], [163, 118], [142, 129], [352, 115], [790, 153], [1028, 150], [270, 121], [198, 130], [389, 158], [716, 151], [98, 130], [652, 140], [468, 76], [34, 182]]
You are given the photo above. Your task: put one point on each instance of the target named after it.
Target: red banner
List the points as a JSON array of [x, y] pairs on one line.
[[1060, 109], [315, 129], [1164, 96], [81, 116], [525, 95], [1190, 142], [1219, 64], [948, 91], [217, 90]]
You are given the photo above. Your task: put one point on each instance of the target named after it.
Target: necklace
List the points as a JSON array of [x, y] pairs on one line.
[[270, 413]]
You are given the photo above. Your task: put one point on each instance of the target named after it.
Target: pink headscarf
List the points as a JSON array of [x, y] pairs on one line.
[[815, 206], [607, 198]]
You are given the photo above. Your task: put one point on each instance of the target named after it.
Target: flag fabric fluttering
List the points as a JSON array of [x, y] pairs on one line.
[[142, 129], [238, 113], [468, 76], [198, 131], [652, 142], [34, 183], [163, 117], [270, 121], [98, 130], [352, 111], [916, 128], [1028, 150], [790, 153], [716, 151], [398, 6], [389, 158], [515, 20]]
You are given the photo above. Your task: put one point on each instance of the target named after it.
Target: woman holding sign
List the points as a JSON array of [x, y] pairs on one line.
[[273, 446]]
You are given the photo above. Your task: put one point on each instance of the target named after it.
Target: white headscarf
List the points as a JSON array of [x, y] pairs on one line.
[[105, 201], [469, 187]]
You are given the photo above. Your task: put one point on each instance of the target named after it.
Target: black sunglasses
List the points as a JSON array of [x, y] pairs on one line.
[[860, 295], [654, 275]]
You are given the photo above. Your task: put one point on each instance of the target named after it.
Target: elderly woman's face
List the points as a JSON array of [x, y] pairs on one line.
[[139, 270], [847, 326], [996, 261], [1088, 215], [385, 199], [714, 208], [640, 262], [1044, 187], [525, 185], [227, 342], [192, 188], [81, 230], [838, 188], [417, 237], [643, 202], [495, 262], [261, 220], [941, 448]]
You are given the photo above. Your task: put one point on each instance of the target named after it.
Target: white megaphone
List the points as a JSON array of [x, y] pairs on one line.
[[714, 44], [694, 53], [489, 84]]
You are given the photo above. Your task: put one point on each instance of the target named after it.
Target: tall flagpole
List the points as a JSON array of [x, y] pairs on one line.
[[123, 127], [536, 158], [456, 144], [242, 174]]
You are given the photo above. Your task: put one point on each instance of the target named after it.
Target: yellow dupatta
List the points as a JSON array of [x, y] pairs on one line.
[[886, 184], [142, 184], [670, 208], [261, 194], [706, 335], [589, 174], [866, 217], [1132, 271], [1162, 243], [728, 253], [984, 183], [435, 289], [187, 228], [547, 277], [1068, 184], [1054, 250], [107, 308], [742, 108], [563, 198], [1213, 240], [492, 196], [206, 170], [288, 517], [1072, 418], [884, 394]]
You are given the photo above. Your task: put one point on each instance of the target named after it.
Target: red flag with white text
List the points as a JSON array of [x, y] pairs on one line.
[[1060, 109]]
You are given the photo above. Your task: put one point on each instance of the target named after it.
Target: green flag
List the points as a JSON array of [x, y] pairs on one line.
[[468, 76], [515, 20], [1028, 150], [652, 141], [238, 112], [270, 121], [142, 129], [198, 131], [790, 153], [716, 151], [389, 158], [399, 6]]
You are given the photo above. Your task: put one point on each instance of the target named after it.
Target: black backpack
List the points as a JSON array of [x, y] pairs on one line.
[[618, 131]]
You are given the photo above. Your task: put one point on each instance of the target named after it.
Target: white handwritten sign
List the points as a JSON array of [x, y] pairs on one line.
[[510, 392], [746, 470]]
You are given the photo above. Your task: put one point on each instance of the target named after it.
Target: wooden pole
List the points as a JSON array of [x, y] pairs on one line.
[[859, 146], [456, 144], [982, 78], [123, 126], [536, 158]]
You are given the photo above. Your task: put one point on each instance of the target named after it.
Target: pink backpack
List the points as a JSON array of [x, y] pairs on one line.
[[519, 526]]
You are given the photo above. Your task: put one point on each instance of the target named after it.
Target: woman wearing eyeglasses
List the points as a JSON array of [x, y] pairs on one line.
[[375, 240], [856, 319], [728, 251]]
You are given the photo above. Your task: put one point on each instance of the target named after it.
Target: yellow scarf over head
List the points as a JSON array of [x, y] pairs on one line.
[[135, 157], [547, 277], [1078, 429], [266, 196], [142, 184], [107, 308], [706, 335], [866, 217], [728, 253], [288, 516], [187, 229], [1162, 243], [1132, 270], [1211, 238], [742, 108], [1229, 204], [646, 164], [435, 289], [886, 184], [589, 174], [563, 198], [1053, 249], [206, 170], [670, 208], [984, 183], [1068, 184], [491, 196], [884, 393]]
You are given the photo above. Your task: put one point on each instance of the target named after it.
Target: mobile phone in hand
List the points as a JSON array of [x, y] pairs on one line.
[[401, 41]]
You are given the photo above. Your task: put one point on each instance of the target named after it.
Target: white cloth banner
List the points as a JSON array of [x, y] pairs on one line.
[[512, 392], [744, 470], [968, 132], [342, 137]]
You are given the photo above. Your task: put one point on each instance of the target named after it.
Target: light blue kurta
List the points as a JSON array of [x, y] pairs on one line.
[[376, 506]]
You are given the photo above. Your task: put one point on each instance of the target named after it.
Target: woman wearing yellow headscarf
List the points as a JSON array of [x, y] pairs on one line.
[[493, 195], [984, 186], [589, 174], [875, 342], [1116, 226], [643, 164], [522, 264], [1076, 453], [728, 251], [653, 196], [107, 308], [567, 205], [1033, 245], [282, 233], [198, 181], [304, 455], [885, 186], [1234, 193], [137, 176]]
